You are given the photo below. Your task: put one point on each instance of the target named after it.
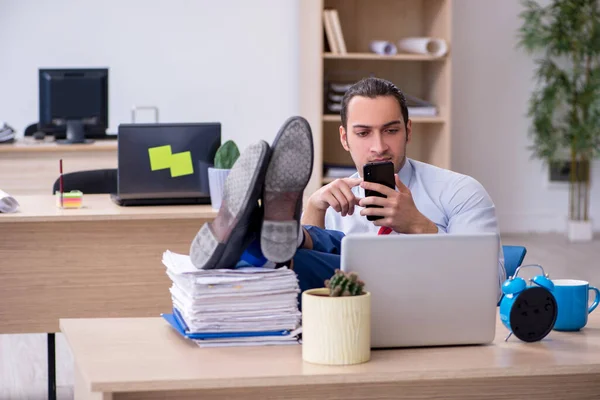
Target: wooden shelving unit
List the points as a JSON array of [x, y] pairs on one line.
[[423, 76]]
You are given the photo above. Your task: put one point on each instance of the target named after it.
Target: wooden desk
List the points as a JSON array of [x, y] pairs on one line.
[[31, 167], [99, 261], [145, 359]]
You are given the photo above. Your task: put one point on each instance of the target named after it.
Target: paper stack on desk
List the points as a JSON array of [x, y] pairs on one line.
[[233, 307], [8, 204], [7, 134]]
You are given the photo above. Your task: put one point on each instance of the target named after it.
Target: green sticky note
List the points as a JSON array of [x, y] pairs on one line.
[[181, 164], [160, 157]]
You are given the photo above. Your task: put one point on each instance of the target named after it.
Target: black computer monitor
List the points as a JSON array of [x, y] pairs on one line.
[[73, 103]]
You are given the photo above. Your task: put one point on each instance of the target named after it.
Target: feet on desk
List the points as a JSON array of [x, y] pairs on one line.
[[288, 174], [279, 175], [220, 243]]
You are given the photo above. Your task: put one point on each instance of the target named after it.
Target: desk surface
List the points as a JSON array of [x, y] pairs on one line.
[[29, 144], [40, 208], [146, 354]]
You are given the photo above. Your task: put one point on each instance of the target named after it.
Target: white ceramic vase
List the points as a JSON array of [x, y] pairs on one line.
[[216, 184]]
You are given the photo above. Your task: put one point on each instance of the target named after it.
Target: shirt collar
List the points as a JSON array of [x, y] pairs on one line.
[[406, 173]]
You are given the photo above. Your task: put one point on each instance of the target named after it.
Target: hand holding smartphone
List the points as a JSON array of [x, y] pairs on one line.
[[381, 172]]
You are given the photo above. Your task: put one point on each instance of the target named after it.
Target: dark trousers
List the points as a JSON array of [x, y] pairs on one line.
[[314, 266]]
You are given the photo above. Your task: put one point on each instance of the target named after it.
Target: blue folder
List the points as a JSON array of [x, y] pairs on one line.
[[177, 322]]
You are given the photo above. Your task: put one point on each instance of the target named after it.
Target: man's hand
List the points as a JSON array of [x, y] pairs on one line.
[[337, 194], [399, 211]]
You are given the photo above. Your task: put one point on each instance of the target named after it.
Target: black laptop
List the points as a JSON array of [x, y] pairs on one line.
[[165, 164]]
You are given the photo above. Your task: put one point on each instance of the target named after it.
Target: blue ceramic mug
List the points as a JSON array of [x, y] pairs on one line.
[[572, 297]]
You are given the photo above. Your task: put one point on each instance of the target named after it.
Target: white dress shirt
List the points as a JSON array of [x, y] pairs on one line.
[[456, 203]]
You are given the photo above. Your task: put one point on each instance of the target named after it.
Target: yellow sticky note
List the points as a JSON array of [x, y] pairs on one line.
[[160, 157], [181, 164]]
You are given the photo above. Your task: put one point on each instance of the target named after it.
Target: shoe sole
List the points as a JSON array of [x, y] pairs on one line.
[[288, 173], [220, 243]]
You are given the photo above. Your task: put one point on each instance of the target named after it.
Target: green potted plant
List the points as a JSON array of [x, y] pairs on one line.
[[336, 322], [565, 106], [226, 155]]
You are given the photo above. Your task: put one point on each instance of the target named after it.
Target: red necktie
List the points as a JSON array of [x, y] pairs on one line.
[[384, 230]]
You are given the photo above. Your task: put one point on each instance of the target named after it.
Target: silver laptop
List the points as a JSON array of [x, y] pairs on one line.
[[427, 290]]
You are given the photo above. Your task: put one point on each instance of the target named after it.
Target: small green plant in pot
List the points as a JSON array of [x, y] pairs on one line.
[[342, 284], [226, 155], [336, 322]]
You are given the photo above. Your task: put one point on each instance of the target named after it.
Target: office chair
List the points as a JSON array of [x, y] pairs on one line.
[[31, 129], [97, 181], [513, 258]]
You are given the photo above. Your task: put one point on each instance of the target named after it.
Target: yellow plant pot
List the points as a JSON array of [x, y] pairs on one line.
[[335, 330]]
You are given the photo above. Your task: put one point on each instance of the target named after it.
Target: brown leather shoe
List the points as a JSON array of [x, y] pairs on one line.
[[220, 243], [288, 174]]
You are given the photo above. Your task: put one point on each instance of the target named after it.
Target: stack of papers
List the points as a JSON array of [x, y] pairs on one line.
[[233, 307], [420, 108], [7, 134], [8, 203]]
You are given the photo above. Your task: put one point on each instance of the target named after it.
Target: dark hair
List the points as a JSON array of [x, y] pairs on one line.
[[373, 87]]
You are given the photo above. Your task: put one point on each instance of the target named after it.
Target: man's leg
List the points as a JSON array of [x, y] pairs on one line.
[[323, 240], [317, 240], [287, 175], [314, 267], [277, 174], [313, 263], [220, 243], [318, 258]]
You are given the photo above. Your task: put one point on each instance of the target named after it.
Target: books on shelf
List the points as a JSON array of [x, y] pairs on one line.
[[420, 108], [233, 307], [334, 107], [336, 44], [417, 107], [333, 31], [339, 171]]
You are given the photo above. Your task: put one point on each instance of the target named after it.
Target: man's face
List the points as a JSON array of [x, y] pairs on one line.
[[375, 131]]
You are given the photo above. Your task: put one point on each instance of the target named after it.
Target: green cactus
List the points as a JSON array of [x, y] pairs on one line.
[[226, 155], [342, 284]]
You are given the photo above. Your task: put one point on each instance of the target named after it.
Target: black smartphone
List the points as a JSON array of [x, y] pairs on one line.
[[381, 172]]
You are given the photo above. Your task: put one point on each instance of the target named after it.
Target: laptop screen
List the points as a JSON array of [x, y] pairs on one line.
[[166, 160]]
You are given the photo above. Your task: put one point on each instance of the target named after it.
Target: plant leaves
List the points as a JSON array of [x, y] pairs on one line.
[[227, 154], [565, 105]]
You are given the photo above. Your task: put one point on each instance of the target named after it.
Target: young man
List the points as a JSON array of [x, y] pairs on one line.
[[375, 127]]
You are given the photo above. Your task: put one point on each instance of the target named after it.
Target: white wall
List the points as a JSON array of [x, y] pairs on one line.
[[233, 61], [492, 83], [236, 61]]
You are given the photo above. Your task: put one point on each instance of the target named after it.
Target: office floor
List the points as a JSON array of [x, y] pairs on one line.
[[23, 367]]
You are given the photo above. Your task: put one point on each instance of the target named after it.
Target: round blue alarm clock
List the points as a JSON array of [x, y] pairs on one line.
[[528, 310]]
